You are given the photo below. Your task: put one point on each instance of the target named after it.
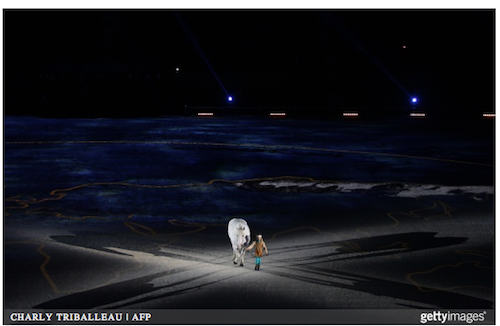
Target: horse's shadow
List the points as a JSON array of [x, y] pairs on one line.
[[369, 246], [360, 248]]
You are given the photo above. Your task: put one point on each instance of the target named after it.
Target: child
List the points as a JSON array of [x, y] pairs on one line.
[[259, 246]]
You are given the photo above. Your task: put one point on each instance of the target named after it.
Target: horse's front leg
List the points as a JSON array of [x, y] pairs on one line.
[[242, 256]]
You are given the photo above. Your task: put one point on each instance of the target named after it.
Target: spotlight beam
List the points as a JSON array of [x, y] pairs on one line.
[[368, 55], [196, 45]]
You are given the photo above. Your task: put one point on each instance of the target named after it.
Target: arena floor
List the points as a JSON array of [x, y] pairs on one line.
[[132, 213]]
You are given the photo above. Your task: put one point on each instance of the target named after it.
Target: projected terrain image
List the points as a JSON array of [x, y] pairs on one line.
[[356, 213]]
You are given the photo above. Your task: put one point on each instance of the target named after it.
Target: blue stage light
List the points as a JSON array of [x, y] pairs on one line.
[[230, 98], [414, 100]]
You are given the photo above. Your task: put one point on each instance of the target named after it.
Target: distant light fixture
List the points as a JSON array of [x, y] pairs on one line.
[[205, 114], [177, 69], [488, 115], [351, 114], [230, 98], [277, 114], [418, 115], [414, 100]]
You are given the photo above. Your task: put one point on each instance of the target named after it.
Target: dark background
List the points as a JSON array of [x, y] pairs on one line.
[[94, 63]]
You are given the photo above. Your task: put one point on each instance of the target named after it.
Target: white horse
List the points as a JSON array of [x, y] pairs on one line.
[[239, 234]]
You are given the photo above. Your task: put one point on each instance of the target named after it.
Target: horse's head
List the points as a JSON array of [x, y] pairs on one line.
[[243, 237]]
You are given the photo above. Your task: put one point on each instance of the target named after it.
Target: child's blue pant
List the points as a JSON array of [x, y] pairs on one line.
[[257, 260]]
